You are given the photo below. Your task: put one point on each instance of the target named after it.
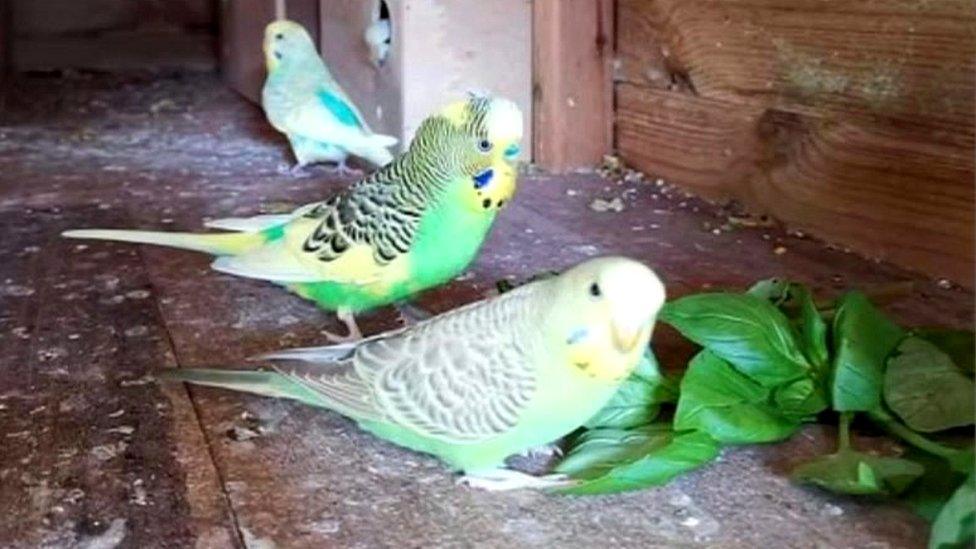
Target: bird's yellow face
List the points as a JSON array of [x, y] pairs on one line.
[[284, 40], [486, 137], [604, 313]]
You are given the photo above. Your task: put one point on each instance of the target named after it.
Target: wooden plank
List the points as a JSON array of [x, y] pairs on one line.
[[851, 120], [89, 440], [899, 60], [879, 189], [573, 95]]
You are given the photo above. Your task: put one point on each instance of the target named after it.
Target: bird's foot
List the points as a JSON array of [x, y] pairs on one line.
[[502, 480], [410, 314], [546, 451], [342, 169], [297, 170], [353, 335]]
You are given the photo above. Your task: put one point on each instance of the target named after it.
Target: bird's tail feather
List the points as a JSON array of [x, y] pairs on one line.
[[327, 355], [216, 244], [269, 384], [374, 149]]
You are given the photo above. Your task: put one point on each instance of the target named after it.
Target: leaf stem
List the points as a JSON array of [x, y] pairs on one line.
[[844, 436], [912, 437]]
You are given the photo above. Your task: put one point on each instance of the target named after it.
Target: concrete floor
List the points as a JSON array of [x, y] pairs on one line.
[[93, 453]]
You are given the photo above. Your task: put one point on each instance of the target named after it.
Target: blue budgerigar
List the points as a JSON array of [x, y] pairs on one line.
[[303, 101]]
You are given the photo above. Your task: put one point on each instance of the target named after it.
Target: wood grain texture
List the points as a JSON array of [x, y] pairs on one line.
[[853, 121], [573, 95]]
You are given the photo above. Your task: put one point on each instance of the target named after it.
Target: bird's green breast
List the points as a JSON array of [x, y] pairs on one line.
[[446, 242]]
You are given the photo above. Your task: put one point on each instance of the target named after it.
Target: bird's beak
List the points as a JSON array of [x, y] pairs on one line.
[[626, 335]]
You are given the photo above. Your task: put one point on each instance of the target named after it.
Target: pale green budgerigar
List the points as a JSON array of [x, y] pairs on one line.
[[377, 38], [303, 101], [485, 381]]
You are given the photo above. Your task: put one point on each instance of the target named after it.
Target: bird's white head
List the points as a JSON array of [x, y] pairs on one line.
[[604, 312], [285, 39]]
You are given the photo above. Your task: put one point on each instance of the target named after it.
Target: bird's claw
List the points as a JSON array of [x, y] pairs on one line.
[[353, 335], [502, 480]]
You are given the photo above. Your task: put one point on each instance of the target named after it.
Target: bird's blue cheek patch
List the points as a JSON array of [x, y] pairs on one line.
[[512, 151], [482, 179], [577, 335]]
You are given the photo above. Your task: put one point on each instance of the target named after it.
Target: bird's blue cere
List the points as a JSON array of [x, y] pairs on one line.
[[482, 179], [339, 108], [577, 335], [512, 151]]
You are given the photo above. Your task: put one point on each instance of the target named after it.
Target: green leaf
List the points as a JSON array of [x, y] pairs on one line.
[[960, 345], [960, 459], [926, 390], [813, 329], [637, 401], [852, 472], [595, 452], [933, 489], [773, 290], [863, 338], [743, 329], [801, 400], [956, 524], [719, 400], [683, 452]]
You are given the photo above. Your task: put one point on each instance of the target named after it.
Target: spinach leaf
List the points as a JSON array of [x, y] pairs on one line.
[[932, 490], [813, 329], [852, 472], [683, 452], [956, 523], [800, 400], [773, 290], [597, 451], [863, 338], [719, 400], [637, 401], [925, 389], [960, 345], [743, 329]]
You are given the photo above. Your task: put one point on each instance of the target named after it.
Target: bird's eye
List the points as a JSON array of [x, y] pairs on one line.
[[277, 55], [484, 145], [595, 290], [279, 36]]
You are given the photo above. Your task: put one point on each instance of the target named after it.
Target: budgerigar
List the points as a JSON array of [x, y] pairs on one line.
[[377, 38], [414, 224], [485, 381], [303, 101]]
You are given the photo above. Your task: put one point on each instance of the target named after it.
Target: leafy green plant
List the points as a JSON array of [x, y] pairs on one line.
[[770, 362]]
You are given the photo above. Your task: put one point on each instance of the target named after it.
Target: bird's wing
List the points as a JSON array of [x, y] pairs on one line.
[[461, 377], [356, 237], [382, 216], [329, 116]]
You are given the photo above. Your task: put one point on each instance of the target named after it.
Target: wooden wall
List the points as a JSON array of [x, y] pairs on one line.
[[112, 35], [850, 119]]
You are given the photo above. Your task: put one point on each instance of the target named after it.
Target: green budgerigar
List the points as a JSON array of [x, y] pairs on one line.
[[414, 224], [485, 381], [305, 102]]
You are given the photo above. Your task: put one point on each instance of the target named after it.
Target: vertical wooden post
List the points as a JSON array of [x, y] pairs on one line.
[[573, 46]]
